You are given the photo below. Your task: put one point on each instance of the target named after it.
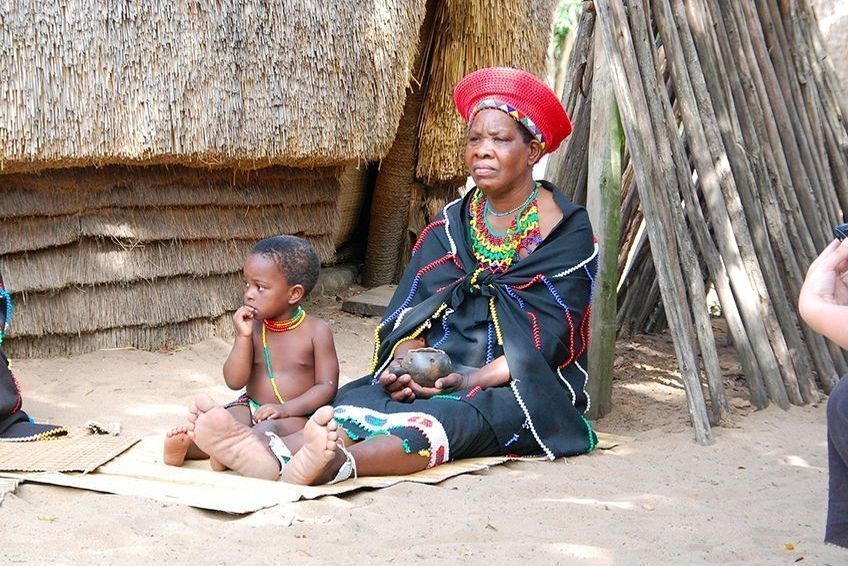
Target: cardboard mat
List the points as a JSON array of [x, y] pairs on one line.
[[79, 451], [140, 472]]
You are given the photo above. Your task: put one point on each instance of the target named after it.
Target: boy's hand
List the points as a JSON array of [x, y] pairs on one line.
[[243, 321], [270, 411]]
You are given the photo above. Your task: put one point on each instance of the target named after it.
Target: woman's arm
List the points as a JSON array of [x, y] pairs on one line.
[[823, 302], [493, 374]]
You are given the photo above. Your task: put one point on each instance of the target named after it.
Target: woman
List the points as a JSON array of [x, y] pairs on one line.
[[823, 304], [502, 282]]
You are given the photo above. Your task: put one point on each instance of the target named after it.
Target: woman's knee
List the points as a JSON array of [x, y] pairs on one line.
[[837, 404]]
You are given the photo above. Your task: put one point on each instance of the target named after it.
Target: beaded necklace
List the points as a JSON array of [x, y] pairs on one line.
[[279, 326], [533, 194], [496, 251]]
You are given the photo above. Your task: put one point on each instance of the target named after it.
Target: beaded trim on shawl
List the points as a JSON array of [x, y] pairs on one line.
[[513, 113], [377, 423]]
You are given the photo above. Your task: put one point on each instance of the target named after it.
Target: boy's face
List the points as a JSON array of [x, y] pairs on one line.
[[266, 289]]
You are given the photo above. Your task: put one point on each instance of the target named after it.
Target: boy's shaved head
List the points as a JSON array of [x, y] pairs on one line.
[[294, 257]]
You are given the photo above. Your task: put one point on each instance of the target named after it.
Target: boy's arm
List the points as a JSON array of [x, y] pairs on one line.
[[326, 376], [239, 363]]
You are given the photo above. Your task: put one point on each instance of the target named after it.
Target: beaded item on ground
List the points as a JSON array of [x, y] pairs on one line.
[[497, 252], [7, 299], [279, 326]]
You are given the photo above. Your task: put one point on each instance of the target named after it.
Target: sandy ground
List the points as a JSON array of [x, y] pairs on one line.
[[757, 495]]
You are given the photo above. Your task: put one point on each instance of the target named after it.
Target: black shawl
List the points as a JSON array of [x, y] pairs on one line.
[[542, 309]]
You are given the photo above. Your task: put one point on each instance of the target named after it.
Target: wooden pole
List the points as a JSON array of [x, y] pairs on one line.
[[652, 80], [633, 106], [714, 176], [606, 141], [745, 166]]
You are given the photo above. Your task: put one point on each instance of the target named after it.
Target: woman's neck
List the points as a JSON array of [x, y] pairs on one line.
[[510, 198]]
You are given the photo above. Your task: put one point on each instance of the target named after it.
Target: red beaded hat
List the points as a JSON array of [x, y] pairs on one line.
[[521, 95]]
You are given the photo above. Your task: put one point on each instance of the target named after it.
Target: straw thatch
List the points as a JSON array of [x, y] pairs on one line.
[[236, 83], [73, 191], [154, 303], [354, 189], [126, 255], [393, 200], [143, 337], [475, 34]]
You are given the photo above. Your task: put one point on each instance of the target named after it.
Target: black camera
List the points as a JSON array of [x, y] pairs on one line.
[[841, 231]]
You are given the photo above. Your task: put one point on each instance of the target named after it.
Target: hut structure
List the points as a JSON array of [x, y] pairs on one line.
[[145, 146], [736, 168], [425, 167]]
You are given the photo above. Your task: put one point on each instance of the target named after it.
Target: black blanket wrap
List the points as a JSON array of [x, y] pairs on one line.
[[553, 285]]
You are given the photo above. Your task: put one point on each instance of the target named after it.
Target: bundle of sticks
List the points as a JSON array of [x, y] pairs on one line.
[[735, 170]]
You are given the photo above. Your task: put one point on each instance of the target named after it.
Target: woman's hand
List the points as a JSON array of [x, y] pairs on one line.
[[447, 384], [397, 385], [823, 302], [826, 276], [270, 411], [243, 321]]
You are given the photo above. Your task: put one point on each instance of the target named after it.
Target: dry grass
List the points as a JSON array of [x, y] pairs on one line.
[[235, 83], [475, 34]]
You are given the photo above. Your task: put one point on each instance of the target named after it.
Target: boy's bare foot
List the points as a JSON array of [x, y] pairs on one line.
[[232, 444], [316, 461], [177, 443], [217, 466]]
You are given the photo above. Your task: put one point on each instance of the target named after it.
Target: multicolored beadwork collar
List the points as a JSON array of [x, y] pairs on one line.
[[513, 113]]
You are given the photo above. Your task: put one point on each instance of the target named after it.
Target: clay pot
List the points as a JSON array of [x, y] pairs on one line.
[[425, 365]]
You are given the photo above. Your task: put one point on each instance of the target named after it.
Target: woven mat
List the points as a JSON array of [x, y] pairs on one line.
[[79, 451], [140, 472]]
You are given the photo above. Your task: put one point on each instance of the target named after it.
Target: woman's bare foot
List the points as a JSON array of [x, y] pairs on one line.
[[229, 442], [177, 443], [316, 461]]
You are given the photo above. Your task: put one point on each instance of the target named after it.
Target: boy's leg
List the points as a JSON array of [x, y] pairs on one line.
[[317, 459], [230, 442], [281, 427], [242, 414], [179, 447]]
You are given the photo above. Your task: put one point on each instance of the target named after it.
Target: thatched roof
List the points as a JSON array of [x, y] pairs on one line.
[[236, 83], [477, 34]]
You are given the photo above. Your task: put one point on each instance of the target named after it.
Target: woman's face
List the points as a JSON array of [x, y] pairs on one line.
[[496, 154]]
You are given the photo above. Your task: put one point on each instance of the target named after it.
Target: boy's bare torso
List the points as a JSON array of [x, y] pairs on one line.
[[292, 356]]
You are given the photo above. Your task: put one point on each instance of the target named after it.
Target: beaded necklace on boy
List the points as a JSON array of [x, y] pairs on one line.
[[279, 326], [497, 252]]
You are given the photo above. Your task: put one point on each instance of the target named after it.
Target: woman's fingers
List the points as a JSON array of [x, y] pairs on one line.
[[825, 253], [833, 255], [450, 381], [404, 395]]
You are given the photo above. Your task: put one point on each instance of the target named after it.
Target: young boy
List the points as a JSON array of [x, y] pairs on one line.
[[284, 360]]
